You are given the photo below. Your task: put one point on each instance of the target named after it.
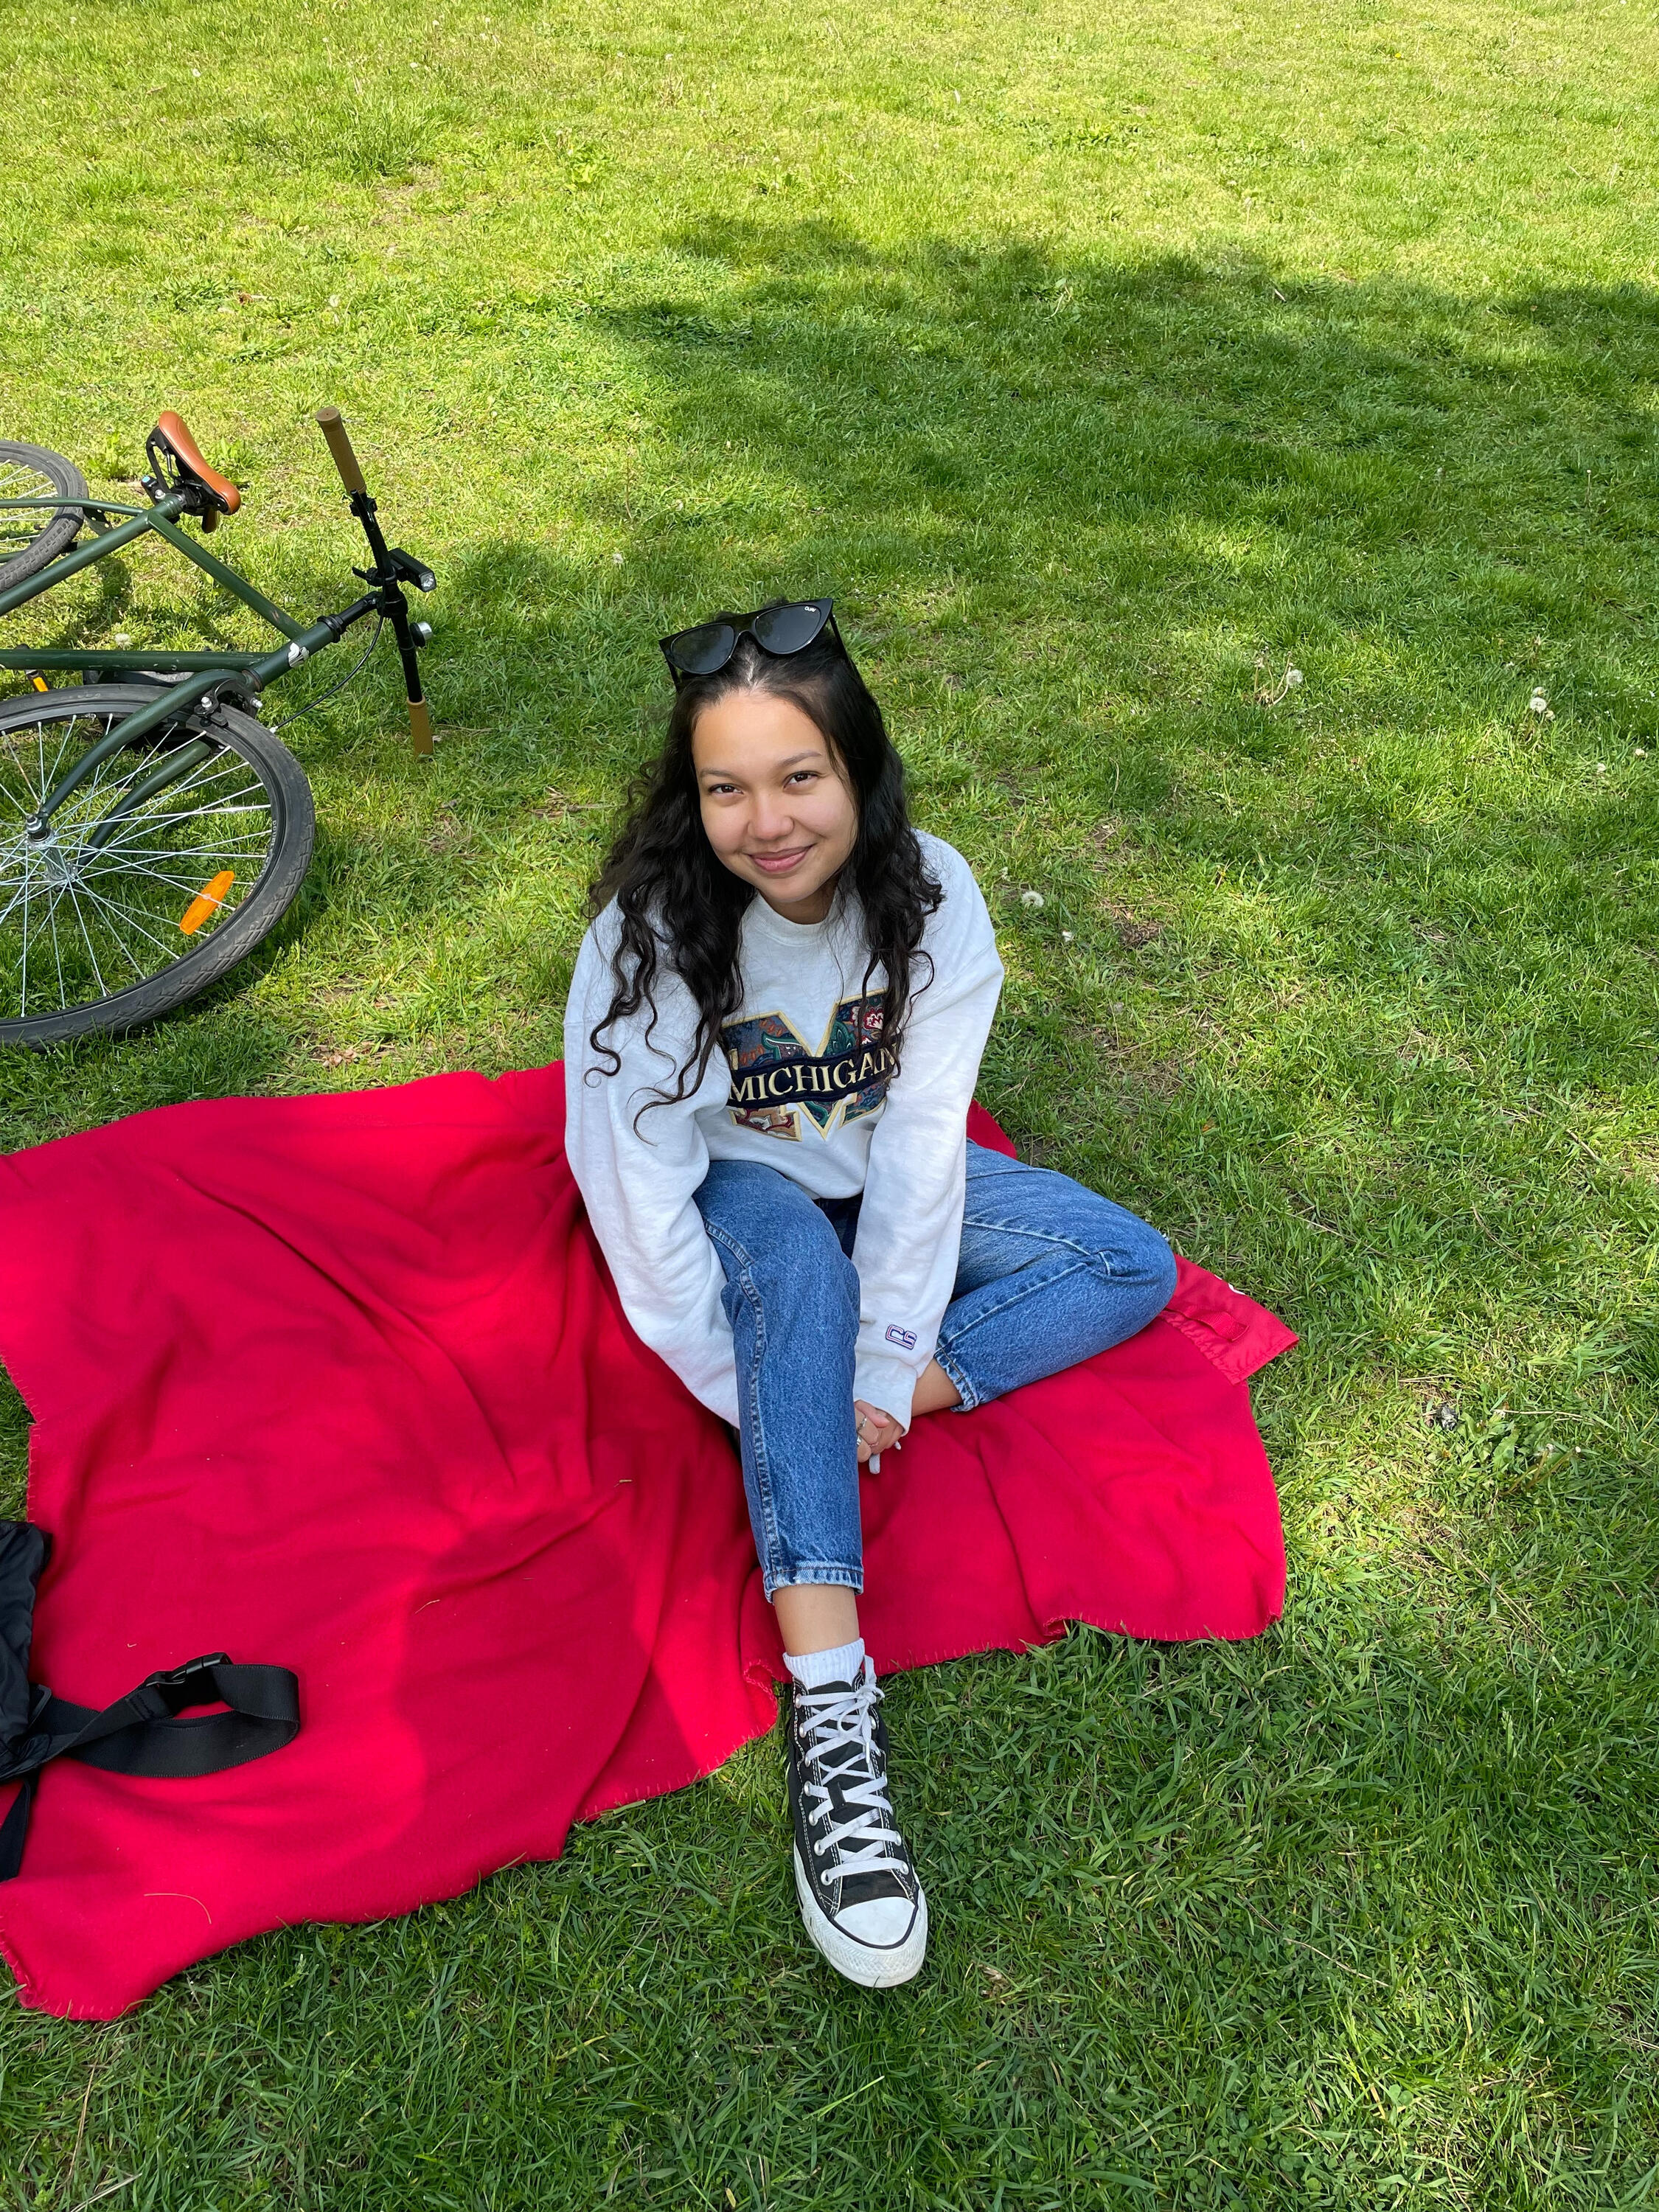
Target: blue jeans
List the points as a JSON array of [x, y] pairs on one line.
[[1049, 1275]]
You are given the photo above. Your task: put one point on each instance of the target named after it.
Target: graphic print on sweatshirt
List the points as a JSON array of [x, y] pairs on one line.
[[777, 1077]]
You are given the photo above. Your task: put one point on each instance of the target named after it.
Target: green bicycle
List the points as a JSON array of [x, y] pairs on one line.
[[152, 831]]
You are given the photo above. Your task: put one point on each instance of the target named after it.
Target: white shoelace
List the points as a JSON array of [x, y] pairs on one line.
[[836, 1720]]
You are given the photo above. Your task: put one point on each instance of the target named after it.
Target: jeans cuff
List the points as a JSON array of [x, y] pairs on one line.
[[968, 1395], [815, 1571]]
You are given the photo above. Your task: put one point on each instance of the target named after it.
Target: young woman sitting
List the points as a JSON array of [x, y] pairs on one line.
[[772, 1040]]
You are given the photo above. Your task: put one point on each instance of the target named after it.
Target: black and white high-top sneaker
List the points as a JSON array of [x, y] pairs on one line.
[[859, 1898]]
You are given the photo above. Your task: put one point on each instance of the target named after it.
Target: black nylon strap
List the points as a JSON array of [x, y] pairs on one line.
[[16, 1828], [144, 1733]]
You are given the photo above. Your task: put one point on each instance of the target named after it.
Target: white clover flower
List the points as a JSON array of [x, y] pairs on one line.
[[1066, 937], [123, 640], [1641, 752], [1537, 704], [1030, 898], [616, 560]]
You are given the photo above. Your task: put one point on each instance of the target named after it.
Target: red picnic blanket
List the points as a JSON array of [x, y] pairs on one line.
[[342, 1384]]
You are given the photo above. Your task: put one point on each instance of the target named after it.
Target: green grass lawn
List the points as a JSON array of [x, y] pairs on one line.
[[1105, 364]]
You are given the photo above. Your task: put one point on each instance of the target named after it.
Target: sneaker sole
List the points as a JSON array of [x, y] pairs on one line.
[[871, 1969]]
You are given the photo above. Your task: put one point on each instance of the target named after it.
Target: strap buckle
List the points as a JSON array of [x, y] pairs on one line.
[[178, 1686]]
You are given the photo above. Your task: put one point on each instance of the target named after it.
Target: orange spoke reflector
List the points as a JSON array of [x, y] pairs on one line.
[[207, 902]]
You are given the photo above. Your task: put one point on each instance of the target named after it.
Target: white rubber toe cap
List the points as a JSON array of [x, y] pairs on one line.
[[877, 1961], [885, 1921]]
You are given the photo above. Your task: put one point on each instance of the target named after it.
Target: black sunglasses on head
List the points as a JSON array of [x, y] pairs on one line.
[[779, 629]]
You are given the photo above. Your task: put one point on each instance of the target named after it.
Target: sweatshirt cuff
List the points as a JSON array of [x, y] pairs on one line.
[[881, 1380]]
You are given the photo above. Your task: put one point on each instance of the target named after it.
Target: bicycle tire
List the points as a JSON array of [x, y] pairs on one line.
[[286, 857], [23, 463]]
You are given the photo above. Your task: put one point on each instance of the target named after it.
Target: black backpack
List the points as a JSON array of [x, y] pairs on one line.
[[142, 1733]]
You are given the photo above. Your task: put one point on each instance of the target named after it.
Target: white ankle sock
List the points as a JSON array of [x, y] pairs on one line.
[[815, 1668]]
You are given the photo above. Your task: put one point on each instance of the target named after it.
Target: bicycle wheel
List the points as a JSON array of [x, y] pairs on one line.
[[105, 935], [30, 537]]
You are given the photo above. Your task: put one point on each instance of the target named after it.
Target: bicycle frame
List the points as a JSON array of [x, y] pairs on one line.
[[207, 677]]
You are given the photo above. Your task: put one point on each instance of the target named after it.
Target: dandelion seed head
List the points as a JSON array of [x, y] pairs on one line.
[[1030, 898]]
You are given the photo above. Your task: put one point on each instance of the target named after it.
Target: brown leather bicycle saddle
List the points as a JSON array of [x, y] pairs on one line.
[[173, 435]]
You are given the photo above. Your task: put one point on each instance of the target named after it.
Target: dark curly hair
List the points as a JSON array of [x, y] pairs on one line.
[[678, 903]]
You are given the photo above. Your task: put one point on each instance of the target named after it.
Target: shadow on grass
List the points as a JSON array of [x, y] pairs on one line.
[[1083, 516], [1102, 508]]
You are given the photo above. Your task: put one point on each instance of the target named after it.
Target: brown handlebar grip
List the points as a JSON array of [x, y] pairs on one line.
[[332, 426]]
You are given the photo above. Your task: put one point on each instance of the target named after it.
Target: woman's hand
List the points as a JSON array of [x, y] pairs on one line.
[[876, 1432]]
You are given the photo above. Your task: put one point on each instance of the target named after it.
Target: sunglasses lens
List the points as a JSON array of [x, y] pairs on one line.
[[788, 629], [700, 652]]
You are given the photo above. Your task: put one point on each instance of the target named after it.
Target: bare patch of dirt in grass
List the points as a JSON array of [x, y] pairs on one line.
[[1134, 1070], [448, 833], [555, 806]]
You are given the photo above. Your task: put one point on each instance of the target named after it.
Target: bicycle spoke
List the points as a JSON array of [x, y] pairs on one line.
[[127, 914], [110, 902], [198, 778], [147, 820], [120, 946], [20, 527], [57, 949], [187, 887], [83, 922], [21, 894], [228, 852], [142, 834], [86, 938], [26, 796]]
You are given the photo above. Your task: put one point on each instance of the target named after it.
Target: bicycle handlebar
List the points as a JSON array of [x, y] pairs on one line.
[[332, 426], [392, 564]]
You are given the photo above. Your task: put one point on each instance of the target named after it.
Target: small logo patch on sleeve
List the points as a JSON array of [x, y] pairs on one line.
[[906, 1337]]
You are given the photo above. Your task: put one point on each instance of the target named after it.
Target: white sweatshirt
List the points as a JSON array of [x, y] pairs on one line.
[[800, 1083]]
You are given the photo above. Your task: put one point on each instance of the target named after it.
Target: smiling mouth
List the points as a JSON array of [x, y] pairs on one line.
[[780, 864]]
